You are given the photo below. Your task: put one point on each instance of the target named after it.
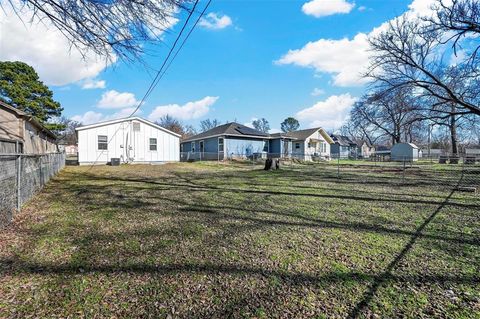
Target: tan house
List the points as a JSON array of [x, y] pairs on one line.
[[366, 149], [22, 133]]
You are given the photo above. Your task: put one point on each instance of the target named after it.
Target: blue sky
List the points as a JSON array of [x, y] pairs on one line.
[[248, 59]]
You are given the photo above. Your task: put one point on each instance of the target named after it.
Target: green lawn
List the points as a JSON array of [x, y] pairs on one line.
[[207, 240]]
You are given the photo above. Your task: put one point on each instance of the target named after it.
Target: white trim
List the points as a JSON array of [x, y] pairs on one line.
[[218, 144], [150, 144], [136, 118]]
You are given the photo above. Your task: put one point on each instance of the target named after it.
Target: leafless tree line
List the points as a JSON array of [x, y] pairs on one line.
[[424, 72]]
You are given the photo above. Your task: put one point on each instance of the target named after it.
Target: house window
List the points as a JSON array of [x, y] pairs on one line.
[[181, 148], [102, 142], [297, 146], [220, 144], [136, 126], [153, 144], [265, 146], [193, 146]]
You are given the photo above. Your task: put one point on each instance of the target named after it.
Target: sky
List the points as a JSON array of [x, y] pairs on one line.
[[245, 60]]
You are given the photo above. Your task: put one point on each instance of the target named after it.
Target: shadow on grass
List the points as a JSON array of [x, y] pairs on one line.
[[115, 193], [385, 276]]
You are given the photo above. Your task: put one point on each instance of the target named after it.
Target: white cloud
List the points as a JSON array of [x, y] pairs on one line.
[[188, 111], [45, 48], [215, 21], [250, 124], [330, 113], [362, 8], [88, 118], [322, 8], [317, 92], [117, 100], [458, 57], [91, 117], [346, 60], [423, 7], [90, 83]]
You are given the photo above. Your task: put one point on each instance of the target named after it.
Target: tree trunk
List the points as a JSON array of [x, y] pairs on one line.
[[453, 132]]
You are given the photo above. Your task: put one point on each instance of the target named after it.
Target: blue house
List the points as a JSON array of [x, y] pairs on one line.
[[344, 147], [233, 140]]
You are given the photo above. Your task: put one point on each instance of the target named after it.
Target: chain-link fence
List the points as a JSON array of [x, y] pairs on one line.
[[459, 171], [21, 176]]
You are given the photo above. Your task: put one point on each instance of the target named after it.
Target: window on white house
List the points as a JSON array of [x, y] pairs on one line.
[[220, 144], [265, 145], [136, 126], [193, 146], [153, 144], [297, 146], [102, 142], [181, 148]]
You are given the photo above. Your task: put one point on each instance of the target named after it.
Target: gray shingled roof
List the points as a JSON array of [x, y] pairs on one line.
[[303, 134], [228, 129], [342, 140]]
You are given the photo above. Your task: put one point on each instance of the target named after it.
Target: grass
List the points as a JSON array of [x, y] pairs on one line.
[[207, 240]]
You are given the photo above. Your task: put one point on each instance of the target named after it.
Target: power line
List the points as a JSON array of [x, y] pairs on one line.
[[186, 38], [159, 74]]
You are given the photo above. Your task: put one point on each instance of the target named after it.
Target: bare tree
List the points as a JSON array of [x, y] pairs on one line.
[[189, 131], [108, 28], [171, 124], [358, 126], [458, 19], [391, 114], [67, 134], [405, 55], [261, 125], [208, 124]]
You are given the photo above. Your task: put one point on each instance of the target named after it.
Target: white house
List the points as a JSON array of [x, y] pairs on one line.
[[132, 140], [311, 144]]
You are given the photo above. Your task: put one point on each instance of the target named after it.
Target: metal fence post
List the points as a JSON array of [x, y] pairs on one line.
[[19, 170], [403, 175], [338, 166]]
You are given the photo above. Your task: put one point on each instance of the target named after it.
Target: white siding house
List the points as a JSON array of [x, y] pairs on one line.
[[311, 144], [132, 140]]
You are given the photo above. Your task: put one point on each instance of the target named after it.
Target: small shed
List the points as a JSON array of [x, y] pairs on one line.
[[405, 152]]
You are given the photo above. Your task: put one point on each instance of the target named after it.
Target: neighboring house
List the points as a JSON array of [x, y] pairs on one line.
[[71, 150], [22, 133], [311, 144], [343, 147], [366, 150], [132, 140], [433, 152], [472, 152], [234, 140], [405, 152], [382, 152]]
